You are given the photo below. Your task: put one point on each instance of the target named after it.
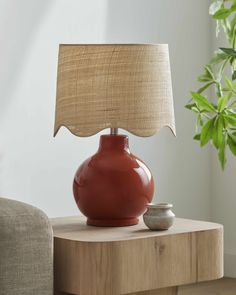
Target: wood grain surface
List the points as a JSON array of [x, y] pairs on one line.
[[107, 261], [164, 291], [225, 286]]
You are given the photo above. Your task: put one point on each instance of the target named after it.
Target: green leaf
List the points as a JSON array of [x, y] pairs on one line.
[[217, 134], [208, 74], [231, 119], [197, 136], [204, 78], [226, 26], [219, 57], [199, 121], [231, 60], [229, 51], [233, 7], [222, 156], [202, 102], [195, 110], [234, 75], [222, 102], [200, 90], [190, 105], [206, 133], [209, 71], [222, 13], [232, 144], [232, 136], [231, 112], [220, 72], [228, 83], [216, 5]]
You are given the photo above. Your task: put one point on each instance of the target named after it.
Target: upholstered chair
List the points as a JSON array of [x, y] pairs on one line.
[[26, 250]]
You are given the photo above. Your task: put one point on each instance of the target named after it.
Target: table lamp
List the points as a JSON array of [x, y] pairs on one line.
[[113, 86]]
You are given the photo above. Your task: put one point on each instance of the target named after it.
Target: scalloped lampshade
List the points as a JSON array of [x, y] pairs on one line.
[[114, 86]]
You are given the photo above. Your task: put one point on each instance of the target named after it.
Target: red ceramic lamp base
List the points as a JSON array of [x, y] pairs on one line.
[[113, 222], [113, 187]]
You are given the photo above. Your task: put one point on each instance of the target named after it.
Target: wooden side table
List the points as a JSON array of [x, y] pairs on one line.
[[134, 260]]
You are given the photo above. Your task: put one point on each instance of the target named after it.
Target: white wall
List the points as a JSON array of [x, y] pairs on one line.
[[223, 188], [35, 167], [38, 169], [223, 202]]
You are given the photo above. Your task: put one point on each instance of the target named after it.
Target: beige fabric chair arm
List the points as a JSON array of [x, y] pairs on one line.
[[26, 250]]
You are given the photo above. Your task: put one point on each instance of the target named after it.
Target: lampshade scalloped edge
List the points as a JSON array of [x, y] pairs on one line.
[[79, 134]]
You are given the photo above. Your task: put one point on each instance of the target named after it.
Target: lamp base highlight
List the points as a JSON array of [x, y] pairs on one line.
[[112, 222]]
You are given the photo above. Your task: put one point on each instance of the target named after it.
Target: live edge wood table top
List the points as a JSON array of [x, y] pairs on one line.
[[134, 260]]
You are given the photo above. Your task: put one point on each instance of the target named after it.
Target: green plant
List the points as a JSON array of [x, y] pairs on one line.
[[216, 116]]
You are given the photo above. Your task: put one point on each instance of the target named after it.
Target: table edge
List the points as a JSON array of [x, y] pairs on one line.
[[150, 234]]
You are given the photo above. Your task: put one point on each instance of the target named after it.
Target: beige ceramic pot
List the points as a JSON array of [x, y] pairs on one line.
[[159, 216]]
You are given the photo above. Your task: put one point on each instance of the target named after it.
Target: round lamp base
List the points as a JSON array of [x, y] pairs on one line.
[[113, 187], [113, 222]]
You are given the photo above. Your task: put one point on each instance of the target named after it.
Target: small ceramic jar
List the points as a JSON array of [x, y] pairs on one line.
[[159, 216]]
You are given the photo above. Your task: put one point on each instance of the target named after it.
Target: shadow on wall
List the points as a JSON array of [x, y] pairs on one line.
[[18, 22]]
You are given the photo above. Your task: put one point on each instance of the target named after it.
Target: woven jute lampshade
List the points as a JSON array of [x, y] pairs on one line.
[[114, 86]]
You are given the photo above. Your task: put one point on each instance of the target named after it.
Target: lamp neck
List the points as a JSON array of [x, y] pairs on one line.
[[114, 131], [114, 143]]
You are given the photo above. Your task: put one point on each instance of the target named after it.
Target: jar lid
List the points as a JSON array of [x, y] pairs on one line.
[[160, 205]]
